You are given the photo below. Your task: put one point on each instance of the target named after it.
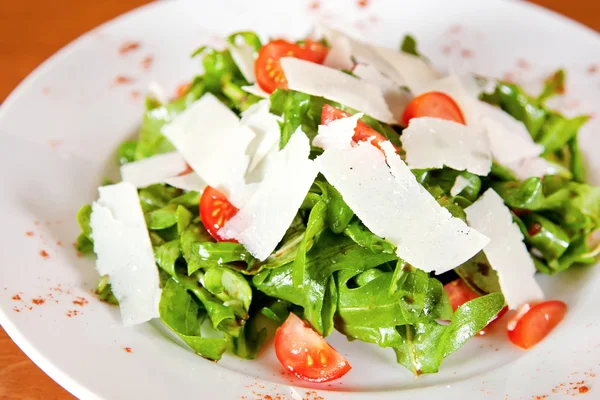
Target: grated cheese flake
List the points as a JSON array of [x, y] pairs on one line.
[[155, 169]]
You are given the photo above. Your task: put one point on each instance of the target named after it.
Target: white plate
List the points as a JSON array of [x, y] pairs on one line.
[[58, 135]]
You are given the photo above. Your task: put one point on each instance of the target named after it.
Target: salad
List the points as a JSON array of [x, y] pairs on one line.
[[296, 188]]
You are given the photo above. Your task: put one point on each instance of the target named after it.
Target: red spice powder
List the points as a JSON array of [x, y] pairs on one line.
[[81, 301], [123, 80], [466, 53], [16, 297], [363, 3], [15, 309], [592, 69], [446, 50], [72, 313], [29, 233], [59, 243], [456, 29], [135, 94], [583, 389], [55, 144], [314, 5], [127, 349], [522, 63], [147, 62], [39, 301], [45, 91], [128, 47], [44, 254]]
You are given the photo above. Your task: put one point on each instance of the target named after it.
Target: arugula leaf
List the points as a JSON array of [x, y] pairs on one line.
[[544, 235], [315, 225], [250, 340], [339, 213], [83, 220], [364, 238], [250, 38], [445, 179], [223, 318], [479, 275], [409, 46], [127, 151], [180, 313], [330, 254], [189, 200], [162, 218], [157, 196], [427, 343], [554, 85], [84, 245], [104, 291], [557, 131], [231, 288], [166, 255], [576, 164]]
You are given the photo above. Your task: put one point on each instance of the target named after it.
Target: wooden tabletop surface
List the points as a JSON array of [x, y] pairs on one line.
[[31, 31]]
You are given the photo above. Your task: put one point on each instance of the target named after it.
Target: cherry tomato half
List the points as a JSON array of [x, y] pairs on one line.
[[459, 293], [433, 104], [215, 211], [306, 354], [362, 132], [536, 323], [267, 68]]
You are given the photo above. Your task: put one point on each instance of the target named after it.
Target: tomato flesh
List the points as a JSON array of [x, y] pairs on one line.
[[306, 354], [459, 293], [362, 132], [267, 68], [433, 104], [536, 323], [215, 211]]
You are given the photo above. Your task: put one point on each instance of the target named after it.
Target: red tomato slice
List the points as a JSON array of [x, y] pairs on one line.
[[267, 67], [459, 293], [306, 354], [433, 104], [215, 211], [315, 51], [362, 132], [536, 323]]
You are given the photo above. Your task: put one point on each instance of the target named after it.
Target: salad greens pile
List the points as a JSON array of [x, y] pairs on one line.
[[329, 268]]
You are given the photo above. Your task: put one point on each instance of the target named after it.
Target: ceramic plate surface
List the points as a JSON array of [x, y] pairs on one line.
[[58, 135]]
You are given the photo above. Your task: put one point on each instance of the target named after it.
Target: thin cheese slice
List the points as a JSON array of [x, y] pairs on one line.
[[392, 204], [255, 90], [191, 181], [433, 143], [332, 84], [509, 139], [263, 220], [153, 170], [212, 140], [396, 97], [125, 253], [243, 56], [459, 184], [506, 251], [533, 167], [266, 127], [340, 54], [413, 70]]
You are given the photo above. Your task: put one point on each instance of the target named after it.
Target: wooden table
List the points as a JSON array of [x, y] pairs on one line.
[[30, 31]]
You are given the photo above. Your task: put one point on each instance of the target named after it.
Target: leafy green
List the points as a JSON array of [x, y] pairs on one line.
[[180, 313], [445, 179], [330, 254], [339, 213], [157, 196], [231, 288], [83, 220], [544, 235], [426, 343], [84, 245], [127, 151], [479, 275], [409, 46], [557, 131], [250, 340], [166, 255], [576, 164], [554, 85], [364, 238], [104, 292]]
